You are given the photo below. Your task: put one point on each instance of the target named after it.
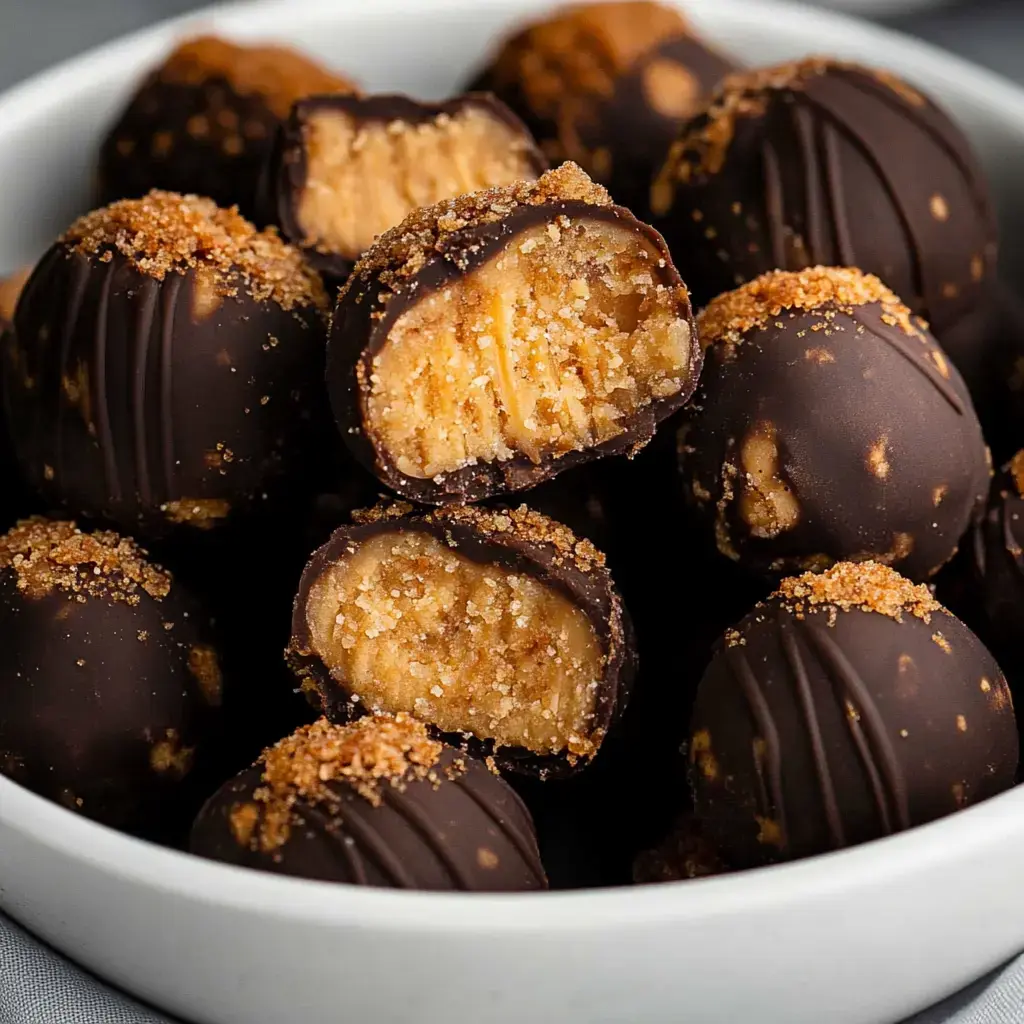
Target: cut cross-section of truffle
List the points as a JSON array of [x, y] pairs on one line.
[[204, 121], [823, 162], [345, 168], [607, 85], [849, 706], [107, 680], [377, 802], [166, 365], [498, 626], [489, 342], [829, 425]]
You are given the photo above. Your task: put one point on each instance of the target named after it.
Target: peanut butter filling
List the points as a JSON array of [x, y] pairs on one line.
[[362, 179], [407, 624], [552, 346]]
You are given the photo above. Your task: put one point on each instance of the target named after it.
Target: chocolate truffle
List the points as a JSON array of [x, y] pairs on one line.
[[15, 499], [108, 684], [829, 425], [851, 705], [347, 168], [498, 626], [684, 854], [607, 85], [204, 121], [166, 365], [378, 803], [821, 162], [489, 342]]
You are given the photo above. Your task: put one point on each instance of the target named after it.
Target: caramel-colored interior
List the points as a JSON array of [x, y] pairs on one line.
[[407, 624], [362, 179], [550, 347]]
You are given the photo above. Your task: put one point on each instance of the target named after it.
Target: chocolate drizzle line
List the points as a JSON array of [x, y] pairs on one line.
[[834, 180], [774, 203], [171, 295], [102, 408], [813, 218], [80, 277], [143, 329]]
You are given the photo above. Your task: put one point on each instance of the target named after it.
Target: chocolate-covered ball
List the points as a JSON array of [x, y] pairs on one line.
[[204, 121], [15, 499], [108, 684], [608, 86], [377, 803], [829, 425], [849, 706], [166, 366], [822, 162]]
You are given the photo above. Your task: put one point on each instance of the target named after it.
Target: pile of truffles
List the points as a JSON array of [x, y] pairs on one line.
[[627, 404]]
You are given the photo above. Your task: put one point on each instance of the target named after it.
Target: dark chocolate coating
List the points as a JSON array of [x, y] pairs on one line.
[[101, 710], [470, 832], [810, 735], [847, 168], [16, 501], [593, 592], [619, 133], [877, 443], [368, 309], [284, 180], [122, 394]]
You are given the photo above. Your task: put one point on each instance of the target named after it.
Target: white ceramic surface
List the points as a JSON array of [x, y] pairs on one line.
[[860, 937]]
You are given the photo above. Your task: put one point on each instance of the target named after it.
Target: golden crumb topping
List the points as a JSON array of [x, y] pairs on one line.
[[758, 303], [165, 232], [10, 290], [276, 73], [376, 750], [48, 555], [861, 586]]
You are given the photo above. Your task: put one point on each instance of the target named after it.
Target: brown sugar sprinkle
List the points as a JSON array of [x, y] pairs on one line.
[[399, 254], [759, 303], [373, 751], [1017, 472], [48, 555], [165, 232], [10, 290], [864, 586], [276, 73]]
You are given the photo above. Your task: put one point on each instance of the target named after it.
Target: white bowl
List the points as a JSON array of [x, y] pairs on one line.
[[860, 937]]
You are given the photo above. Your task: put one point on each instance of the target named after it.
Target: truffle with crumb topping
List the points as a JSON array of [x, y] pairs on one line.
[[498, 626], [829, 425], [204, 120], [109, 685], [824, 162], [166, 365], [848, 706], [607, 85], [377, 802], [491, 341], [346, 168]]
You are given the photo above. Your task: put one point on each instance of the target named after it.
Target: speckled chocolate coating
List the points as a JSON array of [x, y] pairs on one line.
[[818, 730], [286, 172], [518, 549], [878, 451], [611, 103], [470, 832], [833, 164], [129, 399], [109, 706], [382, 289]]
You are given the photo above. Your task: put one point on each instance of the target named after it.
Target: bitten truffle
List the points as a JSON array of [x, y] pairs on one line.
[[166, 365], [496, 626], [822, 162], [346, 168], [491, 341], [108, 685], [849, 706], [829, 425], [204, 121], [608, 86], [378, 803]]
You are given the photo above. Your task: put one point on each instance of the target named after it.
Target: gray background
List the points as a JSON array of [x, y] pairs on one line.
[[36, 33]]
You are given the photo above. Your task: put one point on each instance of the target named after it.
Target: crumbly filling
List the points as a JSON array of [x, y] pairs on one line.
[[407, 624], [362, 179], [550, 347]]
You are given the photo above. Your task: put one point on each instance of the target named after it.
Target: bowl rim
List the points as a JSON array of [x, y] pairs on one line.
[[188, 877]]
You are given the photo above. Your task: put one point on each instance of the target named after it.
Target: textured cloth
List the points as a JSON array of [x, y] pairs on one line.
[[37, 986]]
